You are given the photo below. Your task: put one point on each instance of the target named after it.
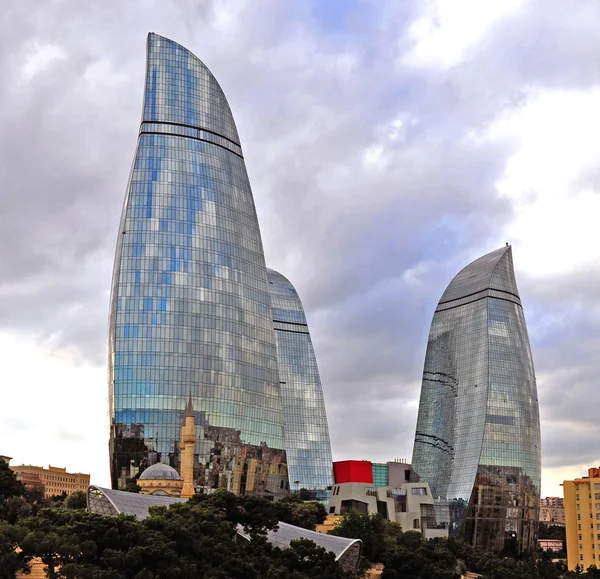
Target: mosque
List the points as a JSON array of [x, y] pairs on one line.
[[163, 480]]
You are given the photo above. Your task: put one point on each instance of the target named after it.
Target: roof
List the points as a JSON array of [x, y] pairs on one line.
[[160, 471], [110, 502], [493, 271], [347, 551], [286, 305], [181, 89]]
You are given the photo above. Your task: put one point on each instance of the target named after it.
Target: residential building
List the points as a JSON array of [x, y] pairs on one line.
[[552, 511], [55, 480], [410, 504], [477, 441], [306, 433], [6, 459], [582, 519], [190, 308]]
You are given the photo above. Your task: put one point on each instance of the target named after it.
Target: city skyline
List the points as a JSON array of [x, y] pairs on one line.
[[387, 146]]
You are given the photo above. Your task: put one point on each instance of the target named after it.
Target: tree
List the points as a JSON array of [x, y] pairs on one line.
[[195, 539], [131, 486], [76, 500], [10, 486], [11, 560], [377, 534], [305, 514]]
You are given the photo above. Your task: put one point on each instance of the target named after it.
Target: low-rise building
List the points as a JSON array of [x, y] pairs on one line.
[[55, 480], [6, 459], [408, 503], [582, 519]]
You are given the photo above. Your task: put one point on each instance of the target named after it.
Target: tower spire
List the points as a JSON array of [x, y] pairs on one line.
[[187, 444], [189, 408]]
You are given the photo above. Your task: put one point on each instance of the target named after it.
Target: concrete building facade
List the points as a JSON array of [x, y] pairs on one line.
[[409, 504], [582, 519]]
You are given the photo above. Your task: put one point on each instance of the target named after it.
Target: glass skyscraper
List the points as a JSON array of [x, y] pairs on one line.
[[190, 307], [477, 441], [306, 432]]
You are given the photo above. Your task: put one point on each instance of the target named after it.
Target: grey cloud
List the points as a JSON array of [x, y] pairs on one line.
[[308, 101]]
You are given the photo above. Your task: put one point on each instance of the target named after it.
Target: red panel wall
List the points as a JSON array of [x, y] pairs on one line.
[[353, 471]]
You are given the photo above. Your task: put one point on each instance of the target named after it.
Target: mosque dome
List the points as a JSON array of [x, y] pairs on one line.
[[160, 471]]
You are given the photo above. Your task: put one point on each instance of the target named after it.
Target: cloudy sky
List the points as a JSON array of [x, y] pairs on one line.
[[388, 144]]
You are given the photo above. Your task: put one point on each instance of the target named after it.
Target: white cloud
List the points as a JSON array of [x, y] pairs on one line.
[[40, 58], [447, 30], [50, 409], [556, 216]]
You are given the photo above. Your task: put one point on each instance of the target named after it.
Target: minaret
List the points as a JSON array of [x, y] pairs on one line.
[[187, 444]]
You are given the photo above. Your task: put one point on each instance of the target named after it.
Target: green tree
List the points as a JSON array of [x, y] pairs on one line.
[[10, 486], [195, 539], [76, 500], [131, 486], [11, 560], [305, 514], [377, 534]]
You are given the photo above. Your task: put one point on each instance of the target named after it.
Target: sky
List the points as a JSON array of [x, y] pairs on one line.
[[388, 144]]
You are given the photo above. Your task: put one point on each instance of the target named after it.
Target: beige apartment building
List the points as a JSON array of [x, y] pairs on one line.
[[55, 480]]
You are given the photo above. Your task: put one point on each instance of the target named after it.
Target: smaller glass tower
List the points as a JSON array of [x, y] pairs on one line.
[[305, 422]]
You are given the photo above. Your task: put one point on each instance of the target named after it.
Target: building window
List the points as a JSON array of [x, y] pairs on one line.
[[578, 517], [578, 507], [419, 491], [579, 537], [576, 497], [416, 523], [581, 557], [597, 486]]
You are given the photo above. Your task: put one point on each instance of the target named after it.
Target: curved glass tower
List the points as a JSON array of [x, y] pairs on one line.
[[190, 309], [306, 432], [477, 442]]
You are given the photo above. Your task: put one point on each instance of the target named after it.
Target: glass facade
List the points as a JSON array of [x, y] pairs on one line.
[[477, 441], [190, 310], [307, 435], [380, 474]]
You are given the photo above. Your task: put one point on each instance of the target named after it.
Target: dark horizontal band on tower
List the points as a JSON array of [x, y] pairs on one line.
[[477, 300], [225, 144], [292, 323], [194, 127], [478, 292], [292, 331]]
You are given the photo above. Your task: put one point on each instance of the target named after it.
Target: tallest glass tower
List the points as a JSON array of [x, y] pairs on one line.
[[190, 309]]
